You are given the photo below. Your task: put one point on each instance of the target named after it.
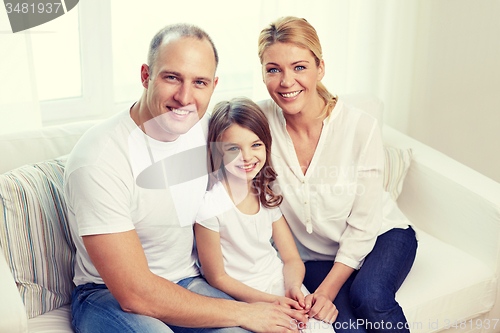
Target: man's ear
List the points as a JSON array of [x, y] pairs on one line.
[[145, 75], [216, 80]]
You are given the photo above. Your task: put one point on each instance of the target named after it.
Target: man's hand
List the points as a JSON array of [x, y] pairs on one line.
[[271, 317], [320, 307]]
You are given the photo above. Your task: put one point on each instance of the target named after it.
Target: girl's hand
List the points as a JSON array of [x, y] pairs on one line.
[[296, 294], [289, 303], [320, 307]]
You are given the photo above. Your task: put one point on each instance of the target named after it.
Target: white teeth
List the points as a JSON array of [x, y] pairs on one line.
[[247, 167], [180, 112], [292, 94]]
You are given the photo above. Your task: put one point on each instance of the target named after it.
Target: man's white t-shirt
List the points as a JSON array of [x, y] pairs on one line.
[[118, 179]]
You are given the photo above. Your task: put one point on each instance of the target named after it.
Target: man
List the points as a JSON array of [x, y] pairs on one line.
[[131, 220]]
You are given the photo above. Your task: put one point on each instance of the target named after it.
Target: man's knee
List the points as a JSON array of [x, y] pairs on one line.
[[97, 310]]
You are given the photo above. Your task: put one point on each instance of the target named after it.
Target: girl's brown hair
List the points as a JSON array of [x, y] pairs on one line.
[[247, 114], [297, 31]]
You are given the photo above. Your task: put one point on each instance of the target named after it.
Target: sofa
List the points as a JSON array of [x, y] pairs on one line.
[[455, 210]]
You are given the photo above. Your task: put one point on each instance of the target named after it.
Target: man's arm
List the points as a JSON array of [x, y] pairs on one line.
[[122, 264]]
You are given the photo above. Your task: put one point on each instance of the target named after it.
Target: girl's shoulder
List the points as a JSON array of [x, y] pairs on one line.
[[274, 213]]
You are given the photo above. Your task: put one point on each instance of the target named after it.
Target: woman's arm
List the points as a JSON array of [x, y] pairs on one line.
[[320, 303], [334, 280], [210, 254], [293, 267]]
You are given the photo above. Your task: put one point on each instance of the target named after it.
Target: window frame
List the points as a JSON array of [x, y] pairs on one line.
[[96, 100]]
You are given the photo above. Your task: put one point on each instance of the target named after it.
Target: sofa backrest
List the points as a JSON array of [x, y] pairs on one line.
[[20, 148]]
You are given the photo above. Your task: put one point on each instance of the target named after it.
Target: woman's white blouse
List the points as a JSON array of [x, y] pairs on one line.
[[338, 208]]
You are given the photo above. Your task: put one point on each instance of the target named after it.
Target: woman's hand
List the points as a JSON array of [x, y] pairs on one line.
[[296, 294], [320, 307]]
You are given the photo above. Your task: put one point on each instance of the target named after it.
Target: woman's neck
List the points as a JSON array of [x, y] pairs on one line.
[[307, 122]]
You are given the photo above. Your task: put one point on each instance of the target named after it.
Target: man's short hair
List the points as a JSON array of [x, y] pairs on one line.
[[181, 30]]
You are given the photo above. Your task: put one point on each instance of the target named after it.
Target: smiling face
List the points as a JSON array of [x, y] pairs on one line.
[[179, 89], [291, 75], [244, 154]]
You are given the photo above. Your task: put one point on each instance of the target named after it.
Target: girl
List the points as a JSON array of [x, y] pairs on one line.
[[357, 245], [240, 214]]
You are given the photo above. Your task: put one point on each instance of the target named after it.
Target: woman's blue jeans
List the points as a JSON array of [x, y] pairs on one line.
[[95, 310], [366, 302]]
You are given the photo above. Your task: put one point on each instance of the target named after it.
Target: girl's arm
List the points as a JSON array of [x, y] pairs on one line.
[[319, 304], [210, 255], [293, 269]]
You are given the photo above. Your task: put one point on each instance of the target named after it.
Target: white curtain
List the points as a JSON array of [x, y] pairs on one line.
[[368, 47], [19, 107]]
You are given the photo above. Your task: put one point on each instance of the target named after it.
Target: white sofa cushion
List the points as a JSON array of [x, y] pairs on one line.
[[34, 235], [444, 285], [55, 321]]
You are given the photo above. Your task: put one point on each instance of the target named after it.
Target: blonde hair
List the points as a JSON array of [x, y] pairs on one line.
[[297, 31], [241, 111]]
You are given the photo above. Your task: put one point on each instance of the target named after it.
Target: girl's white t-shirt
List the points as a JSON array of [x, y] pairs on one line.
[[247, 251]]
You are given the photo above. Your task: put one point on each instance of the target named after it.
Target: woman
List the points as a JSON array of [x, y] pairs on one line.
[[357, 246]]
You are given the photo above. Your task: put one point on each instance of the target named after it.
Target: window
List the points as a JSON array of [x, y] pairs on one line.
[[90, 68], [56, 57], [81, 63]]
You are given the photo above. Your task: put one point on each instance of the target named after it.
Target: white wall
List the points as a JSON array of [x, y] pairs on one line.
[[455, 100]]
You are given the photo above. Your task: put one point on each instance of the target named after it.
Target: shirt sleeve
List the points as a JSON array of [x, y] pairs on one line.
[[99, 200], [275, 214], [207, 214], [365, 218], [211, 223]]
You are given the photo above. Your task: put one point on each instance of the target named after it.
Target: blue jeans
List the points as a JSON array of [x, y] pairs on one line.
[[366, 302], [95, 310]]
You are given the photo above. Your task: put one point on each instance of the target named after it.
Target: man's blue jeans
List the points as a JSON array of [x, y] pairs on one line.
[[95, 310], [366, 302]]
